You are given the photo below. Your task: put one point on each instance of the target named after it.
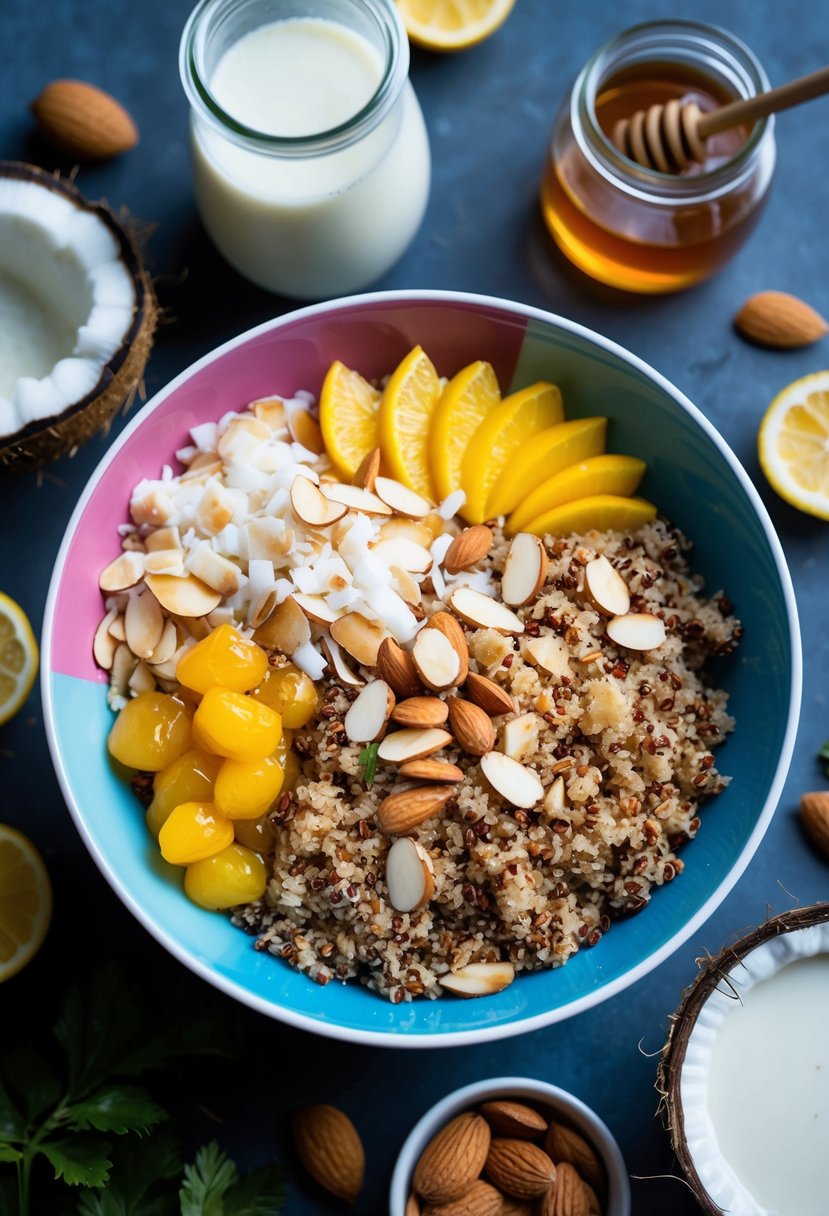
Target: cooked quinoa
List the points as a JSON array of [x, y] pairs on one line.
[[632, 734]]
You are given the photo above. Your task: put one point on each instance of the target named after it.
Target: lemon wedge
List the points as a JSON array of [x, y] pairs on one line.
[[619, 475], [452, 25], [502, 434], [793, 444], [25, 901], [18, 657], [464, 403], [604, 512], [550, 451], [349, 417], [406, 409]]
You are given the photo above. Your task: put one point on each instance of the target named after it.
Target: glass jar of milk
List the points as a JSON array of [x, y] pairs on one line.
[[310, 153]]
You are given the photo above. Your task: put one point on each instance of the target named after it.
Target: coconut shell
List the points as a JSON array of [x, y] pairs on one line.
[[45, 439], [713, 971]]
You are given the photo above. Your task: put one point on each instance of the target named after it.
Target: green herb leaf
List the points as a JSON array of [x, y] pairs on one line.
[[140, 1169], [207, 1182], [97, 1026], [29, 1076], [9, 1153], [257, 1194], [115, 1108], [824, 755], [108, 1202], [79, 1161], [368, 762]]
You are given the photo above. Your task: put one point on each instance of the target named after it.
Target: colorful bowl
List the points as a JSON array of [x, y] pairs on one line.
[[692, 475]]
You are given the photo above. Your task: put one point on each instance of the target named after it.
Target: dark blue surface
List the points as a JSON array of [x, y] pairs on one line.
[[489, 113]]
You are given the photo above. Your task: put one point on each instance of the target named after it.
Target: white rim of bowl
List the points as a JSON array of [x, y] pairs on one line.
[[579, 1113], [484, 1034]]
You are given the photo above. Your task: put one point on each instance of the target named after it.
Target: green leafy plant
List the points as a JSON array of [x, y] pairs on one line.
[[367, 761], [823, 755]]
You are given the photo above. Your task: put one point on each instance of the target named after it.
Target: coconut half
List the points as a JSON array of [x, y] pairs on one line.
[[77, 316], [744, 1075]]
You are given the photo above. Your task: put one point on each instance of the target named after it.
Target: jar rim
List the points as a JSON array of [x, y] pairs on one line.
[[652, 185], [395, 73]]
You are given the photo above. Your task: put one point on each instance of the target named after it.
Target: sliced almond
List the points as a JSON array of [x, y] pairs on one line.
[[404, 553], [520, 786], [316, 608], [550, 653], [142, 679], [285, 630], [429, 769], [339, 668], [471, 726], [400, 813], [104, 644], [216, 571], [468, 548], [636, 631], [482, 612], [165, 561], [163, 538], [260, 608], [397, 667], [117, 628], [124, 663], [311, 506], [605, 588], [555, 800], [420, 712], [436, 659], [493, 699], [525, 570], [519, 736], [451, 629], [167, 644], [202, 467], [408, 878], [368, 715], [354, 498], [361, 638], [144, 624], [403, 745], [125, 571], [401, 499], [479, 979], [405, 586], [187, 597], [305, 429], [367, 471], [419, 533]]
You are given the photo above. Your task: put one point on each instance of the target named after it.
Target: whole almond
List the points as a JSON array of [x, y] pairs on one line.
[[453, 1159], [480, 1200], [594, 1207], [429, 769], [367, 470], [471, 726], [779, 320], [514, 1119], [568, 1196], [399, 814], [420, 712], [814, 815], [83, 121], [329, 1147], [517, 1207], [493, 699], [452, 630], [564, 1144], [468, 548], [397, 667], [519, 1168], [412, 1206]]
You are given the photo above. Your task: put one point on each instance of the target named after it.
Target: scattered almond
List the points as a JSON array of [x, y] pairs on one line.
[[436, 659], [143, 624], [636, 631], [779, 320], [525, 570], [400, 499], [305, 429], [519, 1168], [468, 548], [397, 667], [471, 725], [285, 630], [339, 668], [83, 121], [400, 813], [124, 572], [409, 556], [311, 506], [354, 497], [428, 769], [446, 624], [188, 597], [519, 736], [480, 1200], [408, 875], [367, 471], [362, 639], [479, 979], [493, 699], [329, 1147], [514, 1119], [315, 608], [605, 588], [453, 1159], [420, 712], [368, 714], [104, 644], [814, 815], [483, 612], [518, 785], [410, 744]]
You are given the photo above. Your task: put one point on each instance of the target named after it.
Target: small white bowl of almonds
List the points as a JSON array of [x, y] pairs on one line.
[[510, 1146]]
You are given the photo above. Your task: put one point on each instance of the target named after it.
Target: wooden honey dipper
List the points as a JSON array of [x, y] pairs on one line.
[[669, 137]]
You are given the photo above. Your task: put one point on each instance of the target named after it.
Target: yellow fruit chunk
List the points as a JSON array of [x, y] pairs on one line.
[[246, 789], [193, 831], [188, 779], [793, 444], [235, 726], [234, 876], [18, 657], [550, 451], [349, 408], [223, 659], [604, 512], [150, 732], [291, 693], [452, 25], [502, 434], [409, 400], [25, 901], [461, 408], [618, 475], [255, 834]]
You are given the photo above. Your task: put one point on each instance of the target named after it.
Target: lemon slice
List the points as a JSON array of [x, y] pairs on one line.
[[462, 407], [502, 434], [18, 657], [452, 25], [604, 512], [550, 452], [349, 408], [25, 901], [794, 444], [618, 475], [406, 409]]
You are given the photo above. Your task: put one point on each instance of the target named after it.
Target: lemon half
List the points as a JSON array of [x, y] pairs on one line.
[[18, 657], [793, 444], [25, 901], [452, 25]]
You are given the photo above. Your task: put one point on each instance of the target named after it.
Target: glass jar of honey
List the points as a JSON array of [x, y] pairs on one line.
[[637, 228]]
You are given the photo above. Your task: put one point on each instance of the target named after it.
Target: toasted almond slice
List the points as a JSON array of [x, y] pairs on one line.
[[163, 538], [397, 668], [519, 736], [420, 712], [518, 785], [417, 531], [285, 630], [125, 571], [550, 653], [555, 800], [405, 586], [408, 878], [167, 644], [468, 548], [215, 508], [124, 663], [187, 597], [405, 553], [429, 769], [489, 695], [401, 813], [401, 499], [636, 631], [316, 608], [360, 638], [144, 624], [406, 744], [368, 715], [165, 561], [482, 612], [142, 679], [524, 570], [436, 659], [339, 668], [271, 411], [355, 498], [104, 644], [305, 429], [202, 467], [218, 572], [471, 726], [605, 588], [260, 608], [479, 979], [451, 629], [367, 470], [311, 506], [117, 628]]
